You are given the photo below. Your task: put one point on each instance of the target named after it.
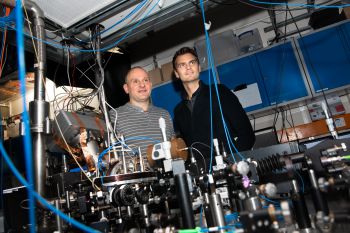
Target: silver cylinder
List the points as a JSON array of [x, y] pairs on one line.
[[145, 215], [252, 204], [313, 179], [142, 166], [39, 107], [215, 204], [39, 142], [58, 219]]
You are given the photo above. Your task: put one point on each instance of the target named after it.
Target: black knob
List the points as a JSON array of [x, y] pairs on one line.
[[142, 196], [126, 195]]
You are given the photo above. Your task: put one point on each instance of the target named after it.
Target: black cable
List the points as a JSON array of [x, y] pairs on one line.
[[224, 3], [279, 9], [253, 122], [280, 75], [293, 125]]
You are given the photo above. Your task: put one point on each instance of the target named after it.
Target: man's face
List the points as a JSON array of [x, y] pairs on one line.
[[138, 85], [187, 68]]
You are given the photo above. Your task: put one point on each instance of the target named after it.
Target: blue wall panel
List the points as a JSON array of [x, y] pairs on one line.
[[166, 96], [327, 57], [280, 73], [242, 72]]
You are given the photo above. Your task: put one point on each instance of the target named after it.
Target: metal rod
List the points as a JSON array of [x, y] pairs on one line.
[[184, 200], [318, 198], [142, 168], [58, 219], [300, 208], [215, 204]]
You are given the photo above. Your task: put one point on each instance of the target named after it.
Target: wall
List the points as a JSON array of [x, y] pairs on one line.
[[298, 113]]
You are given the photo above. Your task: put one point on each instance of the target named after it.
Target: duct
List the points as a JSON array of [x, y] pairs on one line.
[[39, 108]]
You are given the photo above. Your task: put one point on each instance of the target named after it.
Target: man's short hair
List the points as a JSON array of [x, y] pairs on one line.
[[182, 51], [129, 71]]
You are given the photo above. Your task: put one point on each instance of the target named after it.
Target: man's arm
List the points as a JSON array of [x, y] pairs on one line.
[[237, 119]]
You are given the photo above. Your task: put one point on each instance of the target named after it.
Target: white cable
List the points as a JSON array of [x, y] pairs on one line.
[[205, 163]]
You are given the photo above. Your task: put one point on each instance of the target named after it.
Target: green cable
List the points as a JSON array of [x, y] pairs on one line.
[[346, 157], [195, 230]]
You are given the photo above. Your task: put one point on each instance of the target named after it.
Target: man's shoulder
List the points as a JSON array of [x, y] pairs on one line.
[[122, 111], [123, 108], [159, 109], [224, 89], [180, 106]]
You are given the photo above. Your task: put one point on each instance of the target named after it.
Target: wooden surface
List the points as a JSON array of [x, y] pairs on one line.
[[313, 129]]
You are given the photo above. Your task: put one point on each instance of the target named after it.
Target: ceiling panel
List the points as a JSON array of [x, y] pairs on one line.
[[69, 12]]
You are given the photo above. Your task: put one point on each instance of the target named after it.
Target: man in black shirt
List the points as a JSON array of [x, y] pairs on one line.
[[193, 114]]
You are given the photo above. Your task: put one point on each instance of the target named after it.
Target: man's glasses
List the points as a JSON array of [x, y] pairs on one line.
[[184, 65]]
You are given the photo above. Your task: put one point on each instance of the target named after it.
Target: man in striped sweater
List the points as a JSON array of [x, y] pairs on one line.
[[138, 120]]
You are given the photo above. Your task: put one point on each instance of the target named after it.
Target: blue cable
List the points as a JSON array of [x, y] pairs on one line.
[[298, 4], [210, 58], [27, 137], [230, 139], [211, 122], [269, 200], [211, 64], [10, 19], [59, 46], [40, 198], [1, 171], [137, 8], [201, 217]]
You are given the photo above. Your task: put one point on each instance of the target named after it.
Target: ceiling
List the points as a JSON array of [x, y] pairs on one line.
[[73, 18], [165, 23], [159, 21]]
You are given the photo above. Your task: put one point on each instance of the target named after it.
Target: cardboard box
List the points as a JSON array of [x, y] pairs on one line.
[[168, 72], [156, 76], [346, 12]]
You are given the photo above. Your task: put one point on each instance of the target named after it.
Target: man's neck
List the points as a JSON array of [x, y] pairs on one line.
[[143, 105], [191, 87]]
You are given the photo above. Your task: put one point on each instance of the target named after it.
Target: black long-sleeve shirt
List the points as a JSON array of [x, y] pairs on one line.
[[194, 124]]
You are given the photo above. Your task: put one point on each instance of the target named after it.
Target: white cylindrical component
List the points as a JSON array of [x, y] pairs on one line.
[[166, 148], [162, 127], [325, 109], [219, 160], [270, 190], [331, 128], [243, 168], [216, 146]]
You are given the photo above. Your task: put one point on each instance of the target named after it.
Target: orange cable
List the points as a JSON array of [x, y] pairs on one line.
[[7, 13]]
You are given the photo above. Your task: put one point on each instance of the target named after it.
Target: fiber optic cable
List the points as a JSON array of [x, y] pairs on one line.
[[27, 137], [59, 46], [211, 64]]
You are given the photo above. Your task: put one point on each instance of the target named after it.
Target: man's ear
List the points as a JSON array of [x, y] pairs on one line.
[[176, 74], [126, 88]]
